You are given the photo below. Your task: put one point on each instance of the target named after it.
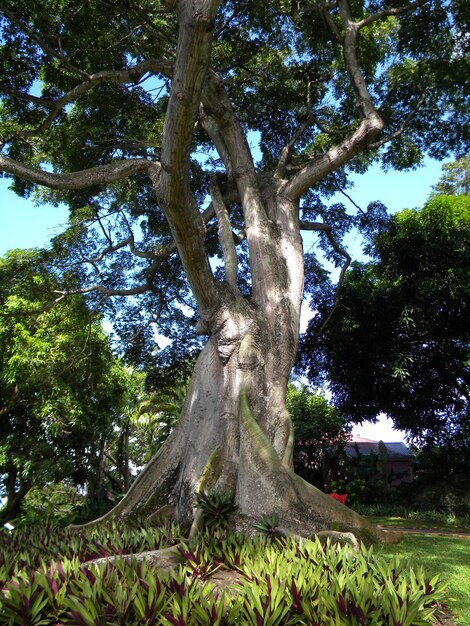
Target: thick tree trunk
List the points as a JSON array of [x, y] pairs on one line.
[[234, 432], [238, 438]]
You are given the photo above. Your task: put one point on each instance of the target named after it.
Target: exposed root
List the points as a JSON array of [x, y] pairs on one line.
[[165, 559]]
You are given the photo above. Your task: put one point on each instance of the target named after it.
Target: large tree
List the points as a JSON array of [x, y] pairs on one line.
[[61, 388], [398, 342], [140, 113]]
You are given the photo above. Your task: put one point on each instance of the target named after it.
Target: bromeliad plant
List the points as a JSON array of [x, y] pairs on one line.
[[269, 526], [278, 583], [216, 506]]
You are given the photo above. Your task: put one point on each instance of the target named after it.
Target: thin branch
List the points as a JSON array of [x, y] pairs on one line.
[[47, 307], [131, 241], [358, 139], [106, 235], [337, 248], [389, 12], [21, 95], [128, 75], [404, 124], [286, 152], [226, 24], [341, 190], [108, 291], [330, 23]]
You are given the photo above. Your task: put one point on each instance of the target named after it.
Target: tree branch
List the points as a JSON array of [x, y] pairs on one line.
[[211, 127], [196, 21], [351, 30], [259, 236], [286, 152], [314, 226], [131, 74], [102, 175], [336, 156], [47, 307], [225, 236], [389, 12], [337, 248], [356, 141], [329, 21], [404, 124], [21, 95]]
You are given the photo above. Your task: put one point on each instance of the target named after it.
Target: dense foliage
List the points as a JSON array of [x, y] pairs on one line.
[[89, 87], [272, 582], [398, 342], [61, 388]]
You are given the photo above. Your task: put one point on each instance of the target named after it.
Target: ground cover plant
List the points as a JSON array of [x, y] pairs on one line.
[[47, 577]]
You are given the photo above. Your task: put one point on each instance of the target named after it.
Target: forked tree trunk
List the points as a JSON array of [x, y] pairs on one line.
[[234, 432]]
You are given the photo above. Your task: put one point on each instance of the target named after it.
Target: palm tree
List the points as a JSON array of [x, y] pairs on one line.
[[157, 415]]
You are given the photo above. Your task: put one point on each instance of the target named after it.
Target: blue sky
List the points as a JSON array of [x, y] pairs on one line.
[[24, 225]]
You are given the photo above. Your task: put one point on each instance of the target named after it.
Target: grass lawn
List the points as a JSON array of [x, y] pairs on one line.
[[447, 556], [410, 522]]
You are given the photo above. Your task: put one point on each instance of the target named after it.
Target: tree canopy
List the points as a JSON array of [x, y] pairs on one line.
[[90, 88], [456, 178], [398, 341]]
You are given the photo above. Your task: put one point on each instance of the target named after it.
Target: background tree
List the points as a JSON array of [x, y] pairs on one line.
[[320, 432], [109, 104], [61, 388], [398, 341], [155, 418], [456, 178]]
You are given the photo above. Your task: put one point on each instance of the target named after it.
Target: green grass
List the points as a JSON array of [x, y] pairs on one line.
[[403, 517], [422, 523], [447, 556]]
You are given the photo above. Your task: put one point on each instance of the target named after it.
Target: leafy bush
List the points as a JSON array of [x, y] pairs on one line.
[[279, 583]]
